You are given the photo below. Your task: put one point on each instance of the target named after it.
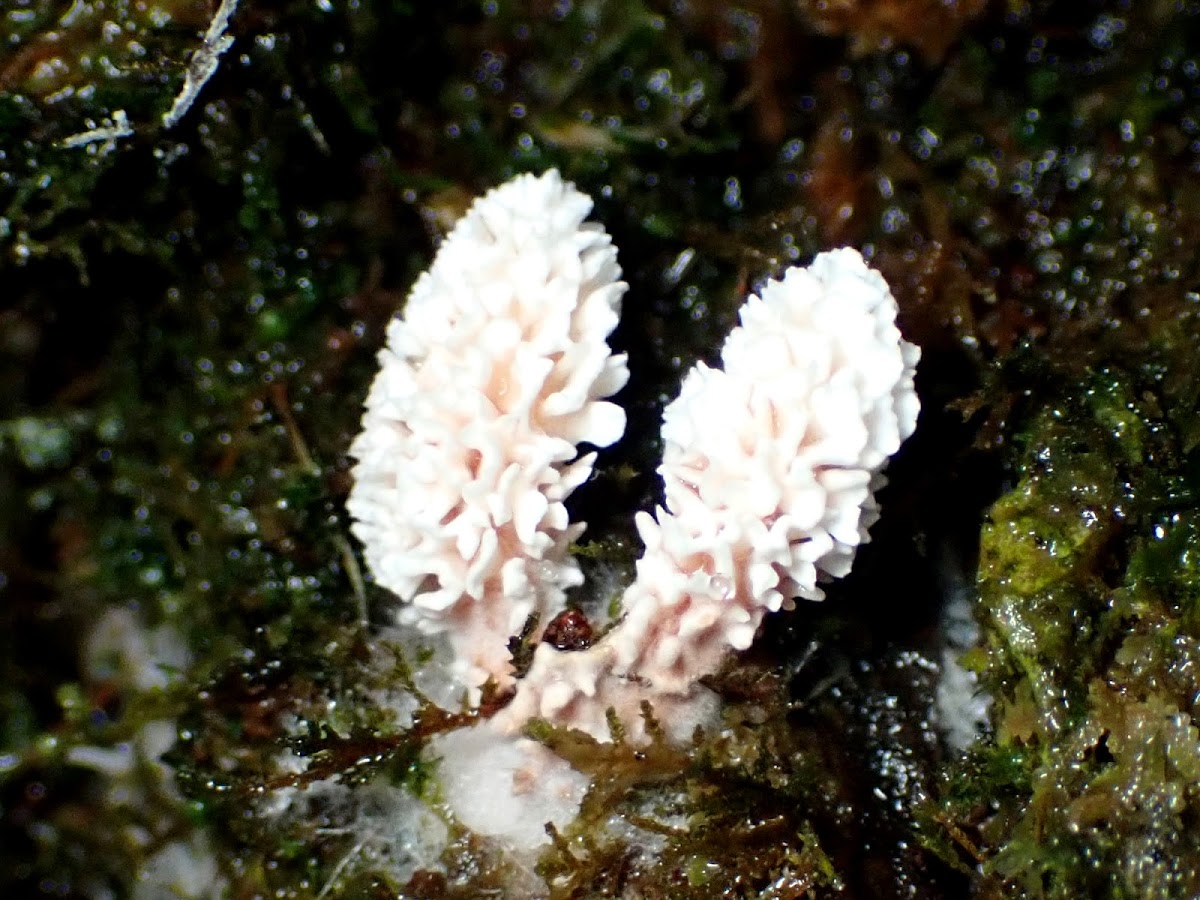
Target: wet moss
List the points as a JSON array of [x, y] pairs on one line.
[[1087, 629]]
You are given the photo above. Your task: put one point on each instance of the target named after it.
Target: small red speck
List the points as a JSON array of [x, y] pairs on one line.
[[569, 630]]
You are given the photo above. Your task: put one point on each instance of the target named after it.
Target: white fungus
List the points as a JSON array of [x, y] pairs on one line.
[[506, 788], [496, 371]]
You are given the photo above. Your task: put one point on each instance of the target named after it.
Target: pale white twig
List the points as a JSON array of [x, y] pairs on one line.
[[118, 127], [203, 63], [342, 863]]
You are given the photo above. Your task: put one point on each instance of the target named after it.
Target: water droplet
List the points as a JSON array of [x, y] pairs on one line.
[[721, 586]]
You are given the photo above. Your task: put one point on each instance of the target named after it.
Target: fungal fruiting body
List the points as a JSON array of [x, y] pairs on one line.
[[500, 367], [497, 370], [769, 469]]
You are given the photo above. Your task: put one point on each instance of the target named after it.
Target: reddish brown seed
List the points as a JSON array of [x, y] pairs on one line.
[[569, 630]]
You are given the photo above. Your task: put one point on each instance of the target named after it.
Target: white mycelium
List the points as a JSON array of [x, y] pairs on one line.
[[770, 467], [496, 371]]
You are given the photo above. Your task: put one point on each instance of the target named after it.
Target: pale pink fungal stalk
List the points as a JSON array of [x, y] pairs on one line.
[[497, 370]]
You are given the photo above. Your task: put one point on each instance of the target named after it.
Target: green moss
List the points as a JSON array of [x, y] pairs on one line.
[[722, 827], [1086, 602]]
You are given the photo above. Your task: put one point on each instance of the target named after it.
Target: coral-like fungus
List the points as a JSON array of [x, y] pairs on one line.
[[468, 450], [770, 467], [496, 372]]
